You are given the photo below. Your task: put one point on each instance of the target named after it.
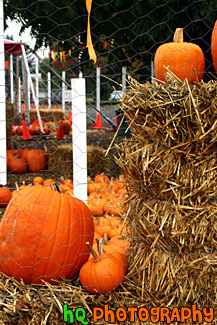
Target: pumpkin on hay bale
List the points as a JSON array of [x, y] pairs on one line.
[[180, 57]]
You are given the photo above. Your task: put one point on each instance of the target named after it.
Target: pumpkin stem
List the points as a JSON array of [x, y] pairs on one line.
[[178, 36], [62, 180], [100, 248], [97, 241], [105, 237], [55, 187], [17, 186], [95, 256]]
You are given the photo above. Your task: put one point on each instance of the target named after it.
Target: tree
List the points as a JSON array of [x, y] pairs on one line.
[[126, 32]]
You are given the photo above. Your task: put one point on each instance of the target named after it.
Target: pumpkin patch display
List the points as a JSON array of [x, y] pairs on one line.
[[182, 58], [43, 235]]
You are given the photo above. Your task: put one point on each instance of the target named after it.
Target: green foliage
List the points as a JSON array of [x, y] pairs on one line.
[[123, 32]]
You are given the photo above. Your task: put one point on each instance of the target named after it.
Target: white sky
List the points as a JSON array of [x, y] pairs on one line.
[[13, 30]]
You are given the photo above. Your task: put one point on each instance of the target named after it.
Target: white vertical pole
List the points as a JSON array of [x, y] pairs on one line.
[[28, 71], [49, 89], [29, 90], [124, 74], [63, 90], [36, 83], [98, 88], [3, 147], [32, 88], [19, 95], [18, 92], [12, 78], [79, 138]]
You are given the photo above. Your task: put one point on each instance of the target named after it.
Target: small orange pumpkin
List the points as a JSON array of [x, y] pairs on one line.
[[101, 178], [102, 273], [5, 196], [48, 181], [38, 180]]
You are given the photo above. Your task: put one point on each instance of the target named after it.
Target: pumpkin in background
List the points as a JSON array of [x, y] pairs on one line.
[[16, 165], [43, 235], [36, 160], [38, 180], [5, 196], [48, 181], [24, 153], [13, 131], [179, 57], [214, 46], [36, 123], [34, 131], [19, 130], [67, 126], [46, 129], [102, 178]]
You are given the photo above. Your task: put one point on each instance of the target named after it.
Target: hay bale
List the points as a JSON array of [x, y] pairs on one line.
[[170, 163], [52, 126], [96, 161], [60, 160], [47, 115]]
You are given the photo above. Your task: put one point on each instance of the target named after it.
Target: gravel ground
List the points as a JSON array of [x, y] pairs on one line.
[[107, 110]]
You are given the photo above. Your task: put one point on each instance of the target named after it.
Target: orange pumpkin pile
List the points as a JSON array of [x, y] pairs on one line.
[[20, 161], [105, 195], [33, 129]]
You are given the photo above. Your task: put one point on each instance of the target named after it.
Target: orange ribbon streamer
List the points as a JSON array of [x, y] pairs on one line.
[[92, 54]]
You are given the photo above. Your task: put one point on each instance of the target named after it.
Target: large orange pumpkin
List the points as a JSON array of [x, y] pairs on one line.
[[43, 235], [180, 57], [214, 46]]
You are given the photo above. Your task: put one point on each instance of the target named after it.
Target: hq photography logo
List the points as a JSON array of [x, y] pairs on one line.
[[131, 314]]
